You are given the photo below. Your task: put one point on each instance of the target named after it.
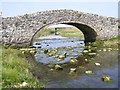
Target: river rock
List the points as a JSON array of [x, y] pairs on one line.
[[59, 60], [73, 69], [88, 72], [58, 67], [50, 54], [85, 51], [106, 78], [104, 49], [97, 64], [73, 60], [46, 51], [32, 51], [92, 53], [56, 56], [62, 56]]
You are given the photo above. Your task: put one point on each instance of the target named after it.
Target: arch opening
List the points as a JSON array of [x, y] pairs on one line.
[[88, 32]]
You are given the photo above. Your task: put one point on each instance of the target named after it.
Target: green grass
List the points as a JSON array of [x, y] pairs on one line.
[[15, 70], [108, 43], [73, 32], [114, 39]]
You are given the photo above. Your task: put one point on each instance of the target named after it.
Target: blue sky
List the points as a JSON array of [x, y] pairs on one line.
[[109, 9]]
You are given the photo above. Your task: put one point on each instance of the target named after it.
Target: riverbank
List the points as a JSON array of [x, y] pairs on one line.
[[113, 42], [16, 70]]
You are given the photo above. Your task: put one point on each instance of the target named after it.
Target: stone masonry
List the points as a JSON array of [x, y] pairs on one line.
[[20, 30]]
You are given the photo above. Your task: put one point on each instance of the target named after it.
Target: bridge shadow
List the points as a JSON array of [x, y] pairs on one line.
[[88, 32]]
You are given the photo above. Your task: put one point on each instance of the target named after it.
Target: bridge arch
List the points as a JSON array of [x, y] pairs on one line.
[[20, 30], [89, 33]]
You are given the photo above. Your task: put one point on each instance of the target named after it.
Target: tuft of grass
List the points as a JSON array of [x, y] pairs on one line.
[[44, 21], [15, 70], [78, 15]]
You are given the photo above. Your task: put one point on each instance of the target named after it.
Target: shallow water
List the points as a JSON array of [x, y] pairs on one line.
[[74, 48]]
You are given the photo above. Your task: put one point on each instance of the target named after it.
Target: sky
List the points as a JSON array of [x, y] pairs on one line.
[[14, 8]]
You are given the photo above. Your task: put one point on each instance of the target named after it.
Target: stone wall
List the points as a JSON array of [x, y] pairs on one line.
[[20, 30]]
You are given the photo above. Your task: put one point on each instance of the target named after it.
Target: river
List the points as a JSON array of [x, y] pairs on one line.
[[59, 50]]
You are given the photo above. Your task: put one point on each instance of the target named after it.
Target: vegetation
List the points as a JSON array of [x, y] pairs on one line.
[[78, 15], [16, 24], [15, 70], [113, 42], [73, 32], [44, 21]]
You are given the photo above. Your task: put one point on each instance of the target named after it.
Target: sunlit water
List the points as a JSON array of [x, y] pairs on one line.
[[74, 48], [70, 46]]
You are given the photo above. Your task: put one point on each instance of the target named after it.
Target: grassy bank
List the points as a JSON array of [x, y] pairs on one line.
[[113, 42], [15, 70], [72, 32]]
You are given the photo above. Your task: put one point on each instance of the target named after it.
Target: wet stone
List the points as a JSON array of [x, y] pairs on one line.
[[73, 69], [92, 53], [97, 64], [58, 67], [89, 72], [46, 51], [106, 78], [73, 60]]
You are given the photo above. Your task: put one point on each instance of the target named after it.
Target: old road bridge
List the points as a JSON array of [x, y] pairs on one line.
[[20, 30]]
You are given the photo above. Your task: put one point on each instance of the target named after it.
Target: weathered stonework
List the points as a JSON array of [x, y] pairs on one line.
[[20, 30]]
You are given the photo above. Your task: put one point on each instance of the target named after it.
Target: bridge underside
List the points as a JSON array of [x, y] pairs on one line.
[[89, 33]]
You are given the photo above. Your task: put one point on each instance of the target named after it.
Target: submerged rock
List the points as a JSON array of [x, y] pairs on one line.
[[59, 60]]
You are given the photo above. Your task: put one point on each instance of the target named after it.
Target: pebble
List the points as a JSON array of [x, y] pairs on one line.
[[72, 69], [97, 64], [88, 72], [106, 78]]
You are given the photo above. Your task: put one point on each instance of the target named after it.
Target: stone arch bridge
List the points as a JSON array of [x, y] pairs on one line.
[[20, 30]]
